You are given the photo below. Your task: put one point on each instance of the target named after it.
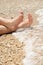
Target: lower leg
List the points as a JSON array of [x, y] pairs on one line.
[[11, 23], [4, 30], [4, 21]]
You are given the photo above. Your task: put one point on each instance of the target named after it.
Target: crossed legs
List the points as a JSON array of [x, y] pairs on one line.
[[3, 30], [11, 25]]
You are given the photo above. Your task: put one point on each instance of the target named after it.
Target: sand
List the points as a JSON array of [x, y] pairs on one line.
[[12, 49]]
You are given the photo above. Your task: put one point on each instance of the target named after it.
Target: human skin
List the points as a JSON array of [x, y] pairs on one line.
[[12, 23], [26, 23], [4, 30]]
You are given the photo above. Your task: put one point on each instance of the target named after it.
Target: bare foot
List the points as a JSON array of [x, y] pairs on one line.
[[27, 22], [14, 22], [30, 19]]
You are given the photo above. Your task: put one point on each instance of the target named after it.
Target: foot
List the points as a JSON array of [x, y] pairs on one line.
[[14, 22], [30, 19], [27, 22]]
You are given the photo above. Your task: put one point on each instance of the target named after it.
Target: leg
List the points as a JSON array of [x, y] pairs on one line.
[[4, 21], [4, 30], [13, 22], [16, 21], [27, 22]]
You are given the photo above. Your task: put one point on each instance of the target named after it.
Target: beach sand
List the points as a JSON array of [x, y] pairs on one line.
[[11, 49]]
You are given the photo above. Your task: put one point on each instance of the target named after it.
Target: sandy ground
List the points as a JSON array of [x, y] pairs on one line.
[[11, 50], [10, 9]]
